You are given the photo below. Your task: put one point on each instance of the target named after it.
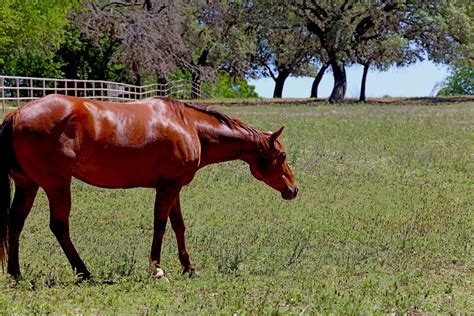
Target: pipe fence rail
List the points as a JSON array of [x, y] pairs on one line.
[[19, 89]]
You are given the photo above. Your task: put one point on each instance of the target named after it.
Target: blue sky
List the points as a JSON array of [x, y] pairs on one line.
[[416, 80]]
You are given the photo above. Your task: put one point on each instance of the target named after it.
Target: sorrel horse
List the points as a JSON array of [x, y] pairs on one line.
[[156, 143]]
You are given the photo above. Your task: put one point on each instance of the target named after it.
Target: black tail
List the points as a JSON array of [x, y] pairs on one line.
[[6, 162]]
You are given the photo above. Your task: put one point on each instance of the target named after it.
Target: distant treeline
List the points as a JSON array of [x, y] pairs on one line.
[[222, 43]]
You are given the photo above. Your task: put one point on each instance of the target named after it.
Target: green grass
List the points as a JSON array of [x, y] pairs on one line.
[[383, 223]]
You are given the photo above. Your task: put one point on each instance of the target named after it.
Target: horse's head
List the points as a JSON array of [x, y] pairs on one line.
[[270, 165]]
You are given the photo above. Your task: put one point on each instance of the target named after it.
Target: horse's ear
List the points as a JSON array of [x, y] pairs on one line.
[[274, 136]]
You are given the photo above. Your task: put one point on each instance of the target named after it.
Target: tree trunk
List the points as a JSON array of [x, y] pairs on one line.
[[137, 77], [364, 80], [340, 82], [162, 83], [148, 5], [196, 85], [279, 83], [317, 81], [196, 75]]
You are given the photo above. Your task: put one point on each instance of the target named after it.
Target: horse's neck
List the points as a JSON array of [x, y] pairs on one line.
[[224, 143]]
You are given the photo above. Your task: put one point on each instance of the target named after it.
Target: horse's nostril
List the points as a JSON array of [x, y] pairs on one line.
[[295, 191], [289, 193]]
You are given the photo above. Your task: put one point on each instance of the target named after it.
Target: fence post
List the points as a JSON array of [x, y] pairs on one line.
[[17, 92], [3, 94], [31, 89]]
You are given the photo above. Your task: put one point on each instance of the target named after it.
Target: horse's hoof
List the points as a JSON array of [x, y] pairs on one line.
[[17, 277], [158, 273], [84, 276], [191, 272]]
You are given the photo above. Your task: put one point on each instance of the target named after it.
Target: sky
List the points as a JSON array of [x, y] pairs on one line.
[[417, 80]]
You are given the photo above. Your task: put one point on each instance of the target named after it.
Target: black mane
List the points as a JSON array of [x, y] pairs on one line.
[[230, 121]]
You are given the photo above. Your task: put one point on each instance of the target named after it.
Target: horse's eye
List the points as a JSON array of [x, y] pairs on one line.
[[283, 156]]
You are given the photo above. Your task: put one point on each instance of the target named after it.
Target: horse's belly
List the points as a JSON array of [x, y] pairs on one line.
[[113, 175], [132, 168]]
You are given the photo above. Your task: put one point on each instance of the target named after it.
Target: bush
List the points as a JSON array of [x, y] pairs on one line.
[[459, 82]]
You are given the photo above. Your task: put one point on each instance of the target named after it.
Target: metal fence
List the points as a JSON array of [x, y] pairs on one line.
[[19, 89]]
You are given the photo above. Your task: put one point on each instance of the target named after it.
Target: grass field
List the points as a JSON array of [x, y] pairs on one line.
[[383, 223]]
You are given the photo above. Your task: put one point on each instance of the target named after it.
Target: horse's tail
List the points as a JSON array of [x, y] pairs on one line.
[[7, 159]]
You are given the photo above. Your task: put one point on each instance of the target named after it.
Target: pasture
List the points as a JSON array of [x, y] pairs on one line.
[[383, 223]]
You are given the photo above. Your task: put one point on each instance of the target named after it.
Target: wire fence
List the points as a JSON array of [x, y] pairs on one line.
[[15, 90]]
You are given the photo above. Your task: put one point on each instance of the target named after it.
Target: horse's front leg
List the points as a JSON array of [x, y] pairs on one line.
[[177, 222], [166, 194]]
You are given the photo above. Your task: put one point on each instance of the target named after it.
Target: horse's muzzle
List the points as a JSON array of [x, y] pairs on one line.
[[289, 193]]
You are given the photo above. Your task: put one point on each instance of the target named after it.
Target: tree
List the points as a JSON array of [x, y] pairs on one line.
[[382, 53], [440, 29], [30, 33], [83, 58], [284, 47], [339, 26], [317, 80], [444, 29], [153, 39], [146, 35], [459, 82], [218, 39]]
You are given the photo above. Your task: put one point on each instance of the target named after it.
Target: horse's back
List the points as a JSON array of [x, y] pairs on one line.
[[102, 143]]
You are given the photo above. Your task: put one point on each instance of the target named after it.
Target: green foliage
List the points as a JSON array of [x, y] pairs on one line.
[[224, 86], [130, 41], [227, 87], [383, 225], [446, 30], [30, 33], [459, 82], [85, 59], [218, 37], [388, 32], [283, 42]]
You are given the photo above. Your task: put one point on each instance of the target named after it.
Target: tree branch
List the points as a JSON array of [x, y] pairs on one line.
[[315, 29], [363, 26], [317, 10], [343, 7], [269, 71]]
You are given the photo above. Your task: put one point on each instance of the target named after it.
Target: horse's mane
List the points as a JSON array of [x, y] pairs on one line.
[[223, 118], [228, 120]]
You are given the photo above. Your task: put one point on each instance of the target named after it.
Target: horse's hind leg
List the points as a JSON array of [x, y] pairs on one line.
[[177, 222], [25, 193], [60, 207]]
